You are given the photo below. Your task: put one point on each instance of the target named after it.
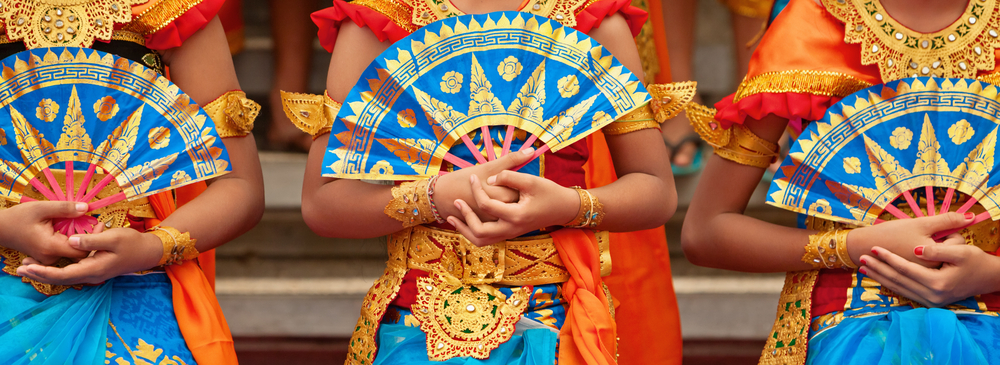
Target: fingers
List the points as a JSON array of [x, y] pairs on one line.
[[87, 271], [514, 180], [944, 222], [477, 232], [514, 159], [58, 209], [488, 205], [906, 268], [882, 276], [107, 241], [951, 253]]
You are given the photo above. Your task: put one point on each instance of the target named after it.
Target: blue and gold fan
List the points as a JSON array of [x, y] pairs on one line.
[[925, 144], [74, 120], [496, 82]]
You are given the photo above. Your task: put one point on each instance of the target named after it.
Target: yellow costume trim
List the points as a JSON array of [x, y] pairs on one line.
[[636, 120], [789, 337], [670, 99], [428, 11], [177, 247], [52, 23], [362, 347], [159, 15], [825, 83], [992, 78], [591, 211], [760, 9], [124, 35], [738, 143], [397, 12], [959, 51], [410, 204], [313, 114], [828, 250], [233, 114]]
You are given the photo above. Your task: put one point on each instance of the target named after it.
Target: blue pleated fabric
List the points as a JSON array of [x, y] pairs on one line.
[[909, 336]]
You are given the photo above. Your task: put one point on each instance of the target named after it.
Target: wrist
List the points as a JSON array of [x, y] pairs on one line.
[[570, 206]]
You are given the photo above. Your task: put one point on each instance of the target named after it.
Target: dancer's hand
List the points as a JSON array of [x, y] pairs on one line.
[[28, 228], [116, 252], [966, 271], [542, 203], [903, 235], [455, 185]]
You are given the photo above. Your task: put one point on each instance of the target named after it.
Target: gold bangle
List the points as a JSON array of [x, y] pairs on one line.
[[233, 114], [410, 204], [738, 143], [177, 247], [313, 114], [591, 212], [828, 250]]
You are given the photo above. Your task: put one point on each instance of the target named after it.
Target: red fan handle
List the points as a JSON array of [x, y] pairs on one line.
[[932, 210], [490, 154], [83, 224]]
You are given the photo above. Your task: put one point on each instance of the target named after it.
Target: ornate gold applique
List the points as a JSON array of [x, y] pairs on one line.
[[428, 11], [143, 354], [636, 120], [362, 347], [789, 337], [738, 143], [233, 114], [410, 204], [959, 51], [670, 99], [12, 261], [824, 83], [759, 9], [313, 114], [159, 15], [55, 23], [465, 320]]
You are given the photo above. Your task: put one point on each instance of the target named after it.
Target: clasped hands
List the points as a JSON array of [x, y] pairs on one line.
[[490, 202], [902, 256], [99, 256]]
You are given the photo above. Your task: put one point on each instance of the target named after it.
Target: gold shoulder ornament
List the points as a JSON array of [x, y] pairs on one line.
[[313, 114], [62, 23], [958, 51], [668, 101], [738, 143], [233, 114]]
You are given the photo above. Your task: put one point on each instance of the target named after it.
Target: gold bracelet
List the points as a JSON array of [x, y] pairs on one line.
[[828, 250], [636, 120], [591, 212], [410, 204], [233, 114], [177, 247], [313, 114], [738, 143]]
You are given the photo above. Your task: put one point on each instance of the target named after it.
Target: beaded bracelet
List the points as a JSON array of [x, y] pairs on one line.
[[828, 250], [430, 199], [177, 247], [591, 211]]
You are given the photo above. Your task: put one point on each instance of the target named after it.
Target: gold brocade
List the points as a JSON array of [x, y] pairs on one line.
[[362, 347], [992, 78], [465, 320], [428, 11], [410, 204], [124, 35], [789, 337], [760, 9], [828, 250], [636, 120], [670, 99], [738, 143], [57, 23], [233, 114], [313, 114], [159, 15], [958, 51], [824, 83]]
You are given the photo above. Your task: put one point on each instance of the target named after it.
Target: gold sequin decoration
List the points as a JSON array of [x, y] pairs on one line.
[[55, 23], [159, 15], [787, 343], [824, 83], [958, 51]]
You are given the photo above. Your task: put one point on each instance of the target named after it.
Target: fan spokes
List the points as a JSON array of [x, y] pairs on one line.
[[487, 140], [931, 208], [75, 193]]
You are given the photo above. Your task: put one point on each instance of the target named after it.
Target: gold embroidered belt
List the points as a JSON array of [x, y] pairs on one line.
[[518, 262]]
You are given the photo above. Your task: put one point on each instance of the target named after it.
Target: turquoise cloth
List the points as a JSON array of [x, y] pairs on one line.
[[402, 344], [909, 336], [129, 318]]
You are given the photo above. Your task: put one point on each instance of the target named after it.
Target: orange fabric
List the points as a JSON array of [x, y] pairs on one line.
[[660, 40], [197, 309], [640, 277], [206, 260], [589, 334]]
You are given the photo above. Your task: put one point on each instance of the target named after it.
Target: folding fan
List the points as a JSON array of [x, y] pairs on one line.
[[76, 122], [496, 82], [924, 144]]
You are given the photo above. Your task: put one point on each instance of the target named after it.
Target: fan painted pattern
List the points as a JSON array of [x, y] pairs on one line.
[[76, 109], [895, 141], [491, 83]]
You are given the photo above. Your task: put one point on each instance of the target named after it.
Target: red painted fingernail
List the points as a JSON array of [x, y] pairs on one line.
[[863, 262], [863, 271], [970, 215], [919, 250], [874, 252]]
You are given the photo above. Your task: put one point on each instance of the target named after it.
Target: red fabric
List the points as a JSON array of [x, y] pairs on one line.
[[566, 166], [406, 297], [328, 20], [591, 17], [788, 105], [589, 334], [830, 292], [640, 276], [187, 24]]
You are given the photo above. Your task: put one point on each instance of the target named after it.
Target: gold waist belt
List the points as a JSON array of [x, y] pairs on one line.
[[518, 262]]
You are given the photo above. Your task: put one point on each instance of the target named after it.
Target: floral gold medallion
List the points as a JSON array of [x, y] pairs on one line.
[[63, 23]]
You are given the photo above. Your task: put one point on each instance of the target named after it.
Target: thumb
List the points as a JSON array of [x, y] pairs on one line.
[[511, 179], [93, 242], [943, 253], [58, 209], [947, 221], [515, 159]]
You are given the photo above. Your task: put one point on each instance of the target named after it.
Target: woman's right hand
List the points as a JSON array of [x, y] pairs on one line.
[[901, 236], [455, 185], [28, 228]]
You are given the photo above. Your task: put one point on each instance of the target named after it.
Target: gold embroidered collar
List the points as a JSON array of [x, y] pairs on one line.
[[563, 11], [960, 50], [63, 23]]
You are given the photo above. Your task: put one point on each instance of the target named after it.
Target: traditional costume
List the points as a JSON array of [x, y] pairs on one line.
[[88, 77], [425, 252], [814, 55]]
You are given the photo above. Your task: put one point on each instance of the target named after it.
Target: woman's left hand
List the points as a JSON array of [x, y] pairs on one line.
[[542, 203], [116, 252], [966, 271]]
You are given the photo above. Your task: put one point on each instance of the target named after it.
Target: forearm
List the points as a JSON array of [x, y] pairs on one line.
[[636, 201], [224, 211]]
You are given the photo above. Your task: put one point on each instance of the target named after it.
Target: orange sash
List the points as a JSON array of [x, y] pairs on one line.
[[589, 334]]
